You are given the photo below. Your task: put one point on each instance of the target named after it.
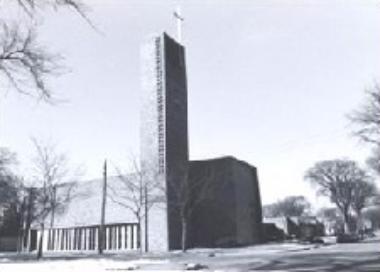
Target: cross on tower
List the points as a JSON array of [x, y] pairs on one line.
[[180, 19]]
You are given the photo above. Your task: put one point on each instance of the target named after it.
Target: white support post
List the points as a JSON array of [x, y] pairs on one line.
[[123, 245], [72, 239], [96, 233], [45, 240], [135, 236], [82, 239], [59, 233], [128, 229], [107, 235], [116, 237]]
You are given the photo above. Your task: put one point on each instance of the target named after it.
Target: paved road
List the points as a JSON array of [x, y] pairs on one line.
[[360, 257]]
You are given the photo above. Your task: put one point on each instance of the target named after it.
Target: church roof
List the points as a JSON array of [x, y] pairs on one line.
[[85, 207], [221, 159]]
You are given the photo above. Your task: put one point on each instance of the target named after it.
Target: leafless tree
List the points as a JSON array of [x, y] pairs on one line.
[[367, 122], [136, 191], [10, 185], [188, 194], [7, 158], [374, 160], [364, 191], [337, 180], [289, 206], [7, 178], [373, 215], [31, 6], [12, 195], [52, 184], [24, 63]]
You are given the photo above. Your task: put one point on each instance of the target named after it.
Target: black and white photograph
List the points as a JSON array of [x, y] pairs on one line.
[[174, 135]]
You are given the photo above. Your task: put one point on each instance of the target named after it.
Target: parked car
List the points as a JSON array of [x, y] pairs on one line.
[[347, 238]]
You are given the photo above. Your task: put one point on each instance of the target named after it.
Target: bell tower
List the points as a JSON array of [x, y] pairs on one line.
[[164, 133]]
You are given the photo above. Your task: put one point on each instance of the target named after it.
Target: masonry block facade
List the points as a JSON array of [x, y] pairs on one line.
[[164, 135], [230, 214]]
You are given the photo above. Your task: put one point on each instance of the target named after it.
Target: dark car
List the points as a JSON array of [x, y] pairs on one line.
[[347, 238]]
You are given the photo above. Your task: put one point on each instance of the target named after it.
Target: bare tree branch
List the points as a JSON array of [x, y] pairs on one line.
[[367, 122], [53, 185], [187, 194], [136, 191], [25, 64], [289, 206], [7, 158], [30, 7], [363, 192]]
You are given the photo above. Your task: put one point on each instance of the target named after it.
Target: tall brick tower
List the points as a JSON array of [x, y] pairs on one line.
[[164, 133]]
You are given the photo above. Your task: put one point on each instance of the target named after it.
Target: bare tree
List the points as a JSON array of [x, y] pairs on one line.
[[289, 206], [24, 63], [7, 158], [374, 160], [373, 215], [188, 194], [8, 187], [364, 191], [337, 180], [31, 6], [51, 174], [137, 191], [367, 121], [10, 195]]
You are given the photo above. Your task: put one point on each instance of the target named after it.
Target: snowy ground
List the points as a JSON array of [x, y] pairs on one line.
[[364, 256]]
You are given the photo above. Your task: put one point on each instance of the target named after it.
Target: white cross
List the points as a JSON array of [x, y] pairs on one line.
[[180, 19]]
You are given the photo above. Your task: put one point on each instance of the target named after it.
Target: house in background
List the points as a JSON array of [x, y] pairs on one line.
[[300, 227]]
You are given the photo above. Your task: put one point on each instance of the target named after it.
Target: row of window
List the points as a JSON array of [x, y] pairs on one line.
[[117, 237]]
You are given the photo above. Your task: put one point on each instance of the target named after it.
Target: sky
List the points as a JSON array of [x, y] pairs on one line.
[[269, 82]]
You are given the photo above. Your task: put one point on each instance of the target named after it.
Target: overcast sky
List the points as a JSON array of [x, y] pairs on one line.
[[269, 82]]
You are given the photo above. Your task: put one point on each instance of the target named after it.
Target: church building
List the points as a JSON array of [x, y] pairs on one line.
[[228, 213]]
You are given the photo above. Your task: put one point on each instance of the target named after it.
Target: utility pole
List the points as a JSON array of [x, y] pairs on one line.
[[146, 218], [101, 235]]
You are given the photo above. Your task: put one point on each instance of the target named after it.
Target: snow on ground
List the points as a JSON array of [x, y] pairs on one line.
[[81, 265], [175, 260], [267, 257]]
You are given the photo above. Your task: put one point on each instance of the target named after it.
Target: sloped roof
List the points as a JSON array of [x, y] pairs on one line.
[[85, 207]]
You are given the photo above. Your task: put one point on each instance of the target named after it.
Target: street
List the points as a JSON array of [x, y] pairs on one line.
[[340, 257], [358, 257]]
